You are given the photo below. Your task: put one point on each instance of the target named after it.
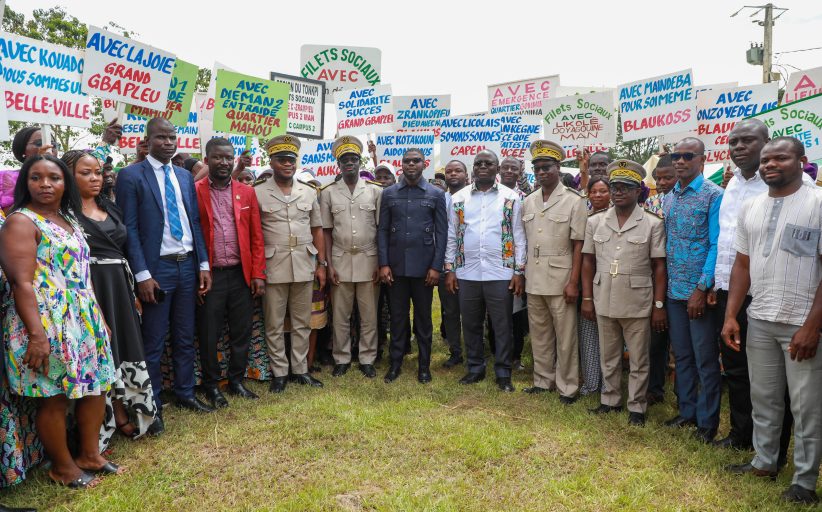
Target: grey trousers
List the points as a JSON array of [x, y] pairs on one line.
[[475, 298], [769, 364]]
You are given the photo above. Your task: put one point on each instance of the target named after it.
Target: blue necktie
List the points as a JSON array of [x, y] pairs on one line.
[[172, 212]]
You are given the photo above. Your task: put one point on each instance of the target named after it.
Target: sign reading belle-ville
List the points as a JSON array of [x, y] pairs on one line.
[[341, 67], [250, 106]]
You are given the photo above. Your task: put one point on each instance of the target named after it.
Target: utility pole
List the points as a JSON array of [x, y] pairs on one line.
[[765, 58]]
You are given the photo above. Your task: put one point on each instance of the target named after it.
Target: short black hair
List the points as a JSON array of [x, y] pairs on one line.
[[665, 160], [798, 146], [596, 179], [21, 140], [602, 153], [414, 150], [70, 204], [693, 140], [217, 141], [464, 167], [486, 150]]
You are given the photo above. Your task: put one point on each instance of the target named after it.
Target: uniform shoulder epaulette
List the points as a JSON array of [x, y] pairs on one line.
[[259, 181], [655, 214], [591, 213], [533, 191], [327, 185], [575, 191], [315, 187], [377, 183]]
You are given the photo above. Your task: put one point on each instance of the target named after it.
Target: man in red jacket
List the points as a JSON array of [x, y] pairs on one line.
[[230, 220]]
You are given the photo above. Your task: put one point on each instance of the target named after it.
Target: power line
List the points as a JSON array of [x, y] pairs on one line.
[[797, 51]]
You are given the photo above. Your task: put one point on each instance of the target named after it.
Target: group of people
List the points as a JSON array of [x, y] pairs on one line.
[[97, 282]]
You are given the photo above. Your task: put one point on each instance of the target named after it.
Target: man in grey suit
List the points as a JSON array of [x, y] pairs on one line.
[[412, 234]]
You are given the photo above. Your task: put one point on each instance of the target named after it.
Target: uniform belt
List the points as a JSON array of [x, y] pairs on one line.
[[228, 267], [177, 257]]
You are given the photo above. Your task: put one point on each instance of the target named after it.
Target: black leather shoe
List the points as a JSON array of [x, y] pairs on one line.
[[13, 509], [800, 495], [704, 435], [535, 390], [305, 379], [424, 376], [748, 469], [732, 442], [157, 427], [655, 399], [392, 374], [237, 389], [278, 384], [452, 362], [605, 409], [568, 400], [216, 397], [679, 422], [368, 370], [636, 419], [504, 384], [340, 369], [472, 378], [194, 404]]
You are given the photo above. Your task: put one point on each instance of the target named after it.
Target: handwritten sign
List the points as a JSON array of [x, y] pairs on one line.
[[122, 69], [134, 130], [180, 93], [368, 110], [43, 82], [525, 96], [420, 113], [306, 105], [207, 132], [803, 84], [718, 110], [316, 156], [188, 136], [801, 119], [656, 106], [588, 119], [518, 131], [391, 147], [250, 106], [464, 137], [341, 67]]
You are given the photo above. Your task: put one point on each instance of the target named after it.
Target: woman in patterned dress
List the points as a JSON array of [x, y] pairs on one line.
[[56, 342]]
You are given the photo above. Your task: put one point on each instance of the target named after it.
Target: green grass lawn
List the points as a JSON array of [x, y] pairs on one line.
[[360, 444]]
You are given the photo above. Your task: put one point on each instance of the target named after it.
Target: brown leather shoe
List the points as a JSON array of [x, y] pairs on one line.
[[748, 469]]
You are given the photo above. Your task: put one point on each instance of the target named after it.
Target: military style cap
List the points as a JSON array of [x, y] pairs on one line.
[[547, 149], [626, 171], [288, 145], [346, 144]]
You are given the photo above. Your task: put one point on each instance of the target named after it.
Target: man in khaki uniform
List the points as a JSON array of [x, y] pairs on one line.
[[623, 283], [554, 217], [294, 249], [350, 211]]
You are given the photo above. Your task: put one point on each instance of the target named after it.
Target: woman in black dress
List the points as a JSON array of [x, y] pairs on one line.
[[130, 407]]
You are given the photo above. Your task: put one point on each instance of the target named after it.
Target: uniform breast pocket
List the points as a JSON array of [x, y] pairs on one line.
[[272, 211], [559, 224], [638, 245], [601, 238], [303, 212], [337, 209], [800, 241], [369, 211]]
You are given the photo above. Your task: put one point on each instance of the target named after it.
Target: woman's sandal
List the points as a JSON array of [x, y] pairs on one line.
[[109, 468], [82, 482]]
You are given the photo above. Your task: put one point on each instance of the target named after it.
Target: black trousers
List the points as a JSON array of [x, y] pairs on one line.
[[519, 323], [230, 296], [403, 292], [658, 359], [450, 328]]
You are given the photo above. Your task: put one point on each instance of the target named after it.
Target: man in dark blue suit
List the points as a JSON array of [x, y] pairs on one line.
[[412, 235], [168, 256]]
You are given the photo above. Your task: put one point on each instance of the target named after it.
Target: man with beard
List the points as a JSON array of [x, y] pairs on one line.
[[456, 177], [294, 251], [778, 260], [412, 233], [485, 260], [350, 210]]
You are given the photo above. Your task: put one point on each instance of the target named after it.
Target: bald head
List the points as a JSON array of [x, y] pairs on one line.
[[692, 141], [745, 142]]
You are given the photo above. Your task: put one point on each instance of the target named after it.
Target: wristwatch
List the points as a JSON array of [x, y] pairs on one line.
[[322, 263], [659, 304], [701, 287]]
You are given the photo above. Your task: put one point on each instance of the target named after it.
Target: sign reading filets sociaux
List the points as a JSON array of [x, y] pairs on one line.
[[180, 93], [588, 119], [803, 84], [368, 110], [420, 113], [43, 82], [391, 147], [340, 67], [122, 69], [464, 137], [524, 97], [316, 156], [248, 105], [802, 120], [656, 106]]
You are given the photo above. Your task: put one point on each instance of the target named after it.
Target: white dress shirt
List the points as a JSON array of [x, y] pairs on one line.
[[482, 257], [171, 245]]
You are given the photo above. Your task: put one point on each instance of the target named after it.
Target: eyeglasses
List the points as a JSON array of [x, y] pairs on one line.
[[285, 159], [687, 156], [621, 188], [411, 160]]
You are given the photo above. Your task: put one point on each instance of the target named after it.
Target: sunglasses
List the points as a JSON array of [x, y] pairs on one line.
[[411, 160], [687, 156]]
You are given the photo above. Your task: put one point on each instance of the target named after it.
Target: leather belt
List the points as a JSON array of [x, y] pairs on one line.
[[177, 257]]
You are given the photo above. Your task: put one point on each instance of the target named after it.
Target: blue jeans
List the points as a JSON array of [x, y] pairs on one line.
[[696, 352], [180, 281]]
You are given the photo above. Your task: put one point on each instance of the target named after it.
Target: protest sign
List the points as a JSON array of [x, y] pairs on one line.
[[391, 147], [464, 137], [525, 96], [250, 106], [43, 82], [122, 69], [656, 106], [673, 138], [188, 136], [803, 84], [341, 67], [581, 120], [367, 110], [4, 119], [207, 132], [306, 105], [316, 156], [180, 93], [108, 109], [134, 130], [517, 133], [801, 119], [420, 113]]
